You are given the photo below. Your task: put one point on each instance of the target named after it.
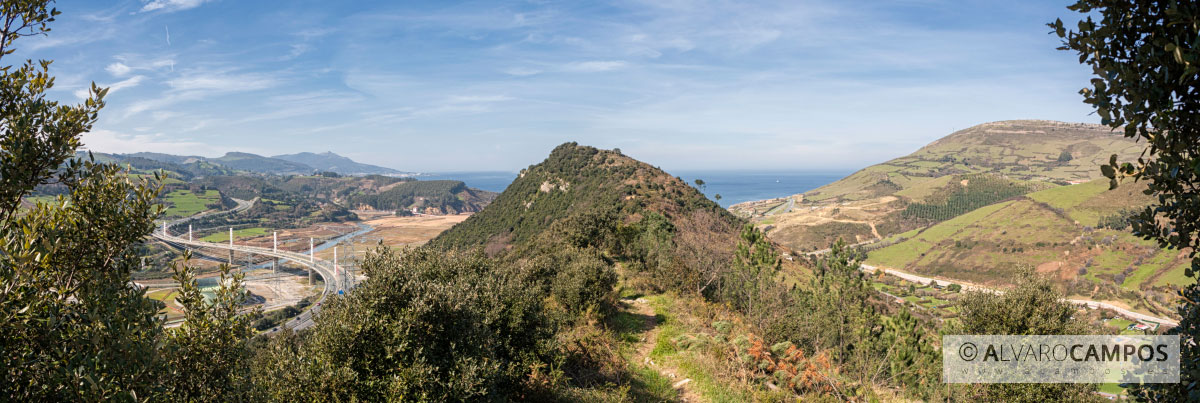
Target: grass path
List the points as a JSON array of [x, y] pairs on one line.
[[641, 307]]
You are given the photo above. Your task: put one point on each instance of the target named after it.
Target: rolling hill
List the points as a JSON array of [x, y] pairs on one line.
[[1075, 233], [966, 170], [173, 159], [330, 162], [260, 164], [427, 197], [1027, 150], [577, 182], [980, 204]]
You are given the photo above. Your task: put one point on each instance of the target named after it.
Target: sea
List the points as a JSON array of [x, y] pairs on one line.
[[735, 186]]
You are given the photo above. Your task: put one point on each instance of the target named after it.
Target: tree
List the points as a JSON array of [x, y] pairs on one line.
[[207, 359], [1064, 156], [73, 325], [840, 300], [912, 360], [700, 183], [1145, 57], [754, 267], [1033, 307], [428, 326], [704, 250]]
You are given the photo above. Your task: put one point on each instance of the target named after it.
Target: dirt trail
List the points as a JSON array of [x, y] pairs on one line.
[[642, 308]]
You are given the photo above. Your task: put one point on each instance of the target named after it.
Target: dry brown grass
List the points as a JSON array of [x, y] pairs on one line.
[[397, 232]]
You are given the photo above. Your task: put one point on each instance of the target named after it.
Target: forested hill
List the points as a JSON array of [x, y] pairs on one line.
[[582, 183], [429, 197]]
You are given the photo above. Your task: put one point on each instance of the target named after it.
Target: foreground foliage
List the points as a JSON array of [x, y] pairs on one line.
[[1033, 307], [73, 326], [1144, 55], [427, 326]]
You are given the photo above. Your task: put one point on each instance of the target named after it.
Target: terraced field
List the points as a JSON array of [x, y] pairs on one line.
[[1054, 231]]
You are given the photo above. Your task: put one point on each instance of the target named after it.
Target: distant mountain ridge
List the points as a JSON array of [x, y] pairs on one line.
[[330, 162], [257, 163], [305, 163]]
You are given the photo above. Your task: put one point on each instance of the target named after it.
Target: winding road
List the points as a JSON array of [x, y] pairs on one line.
[[334, 284], [973, 287]]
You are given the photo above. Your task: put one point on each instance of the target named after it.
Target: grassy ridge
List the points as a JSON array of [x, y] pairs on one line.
[[1022, 150]]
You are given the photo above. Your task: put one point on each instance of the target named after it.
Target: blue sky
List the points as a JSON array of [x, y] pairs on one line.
[[494, 85]]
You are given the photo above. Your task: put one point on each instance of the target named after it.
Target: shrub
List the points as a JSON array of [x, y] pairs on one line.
[[583, 283], [429, 325]]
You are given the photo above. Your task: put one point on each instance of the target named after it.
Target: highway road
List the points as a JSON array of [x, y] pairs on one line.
[[973, 287], [333, 284]]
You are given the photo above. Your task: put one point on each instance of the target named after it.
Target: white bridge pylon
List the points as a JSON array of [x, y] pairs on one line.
[[327, 270]]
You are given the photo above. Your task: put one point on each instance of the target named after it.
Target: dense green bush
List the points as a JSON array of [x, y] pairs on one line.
[[584, 283], [427, 326], [1033, 307]]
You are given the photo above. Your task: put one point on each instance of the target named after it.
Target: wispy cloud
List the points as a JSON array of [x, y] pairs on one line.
[[478, 99], [198, 85], [171, 5], [130, 82], [522, 71], [118, 69], [297, 50], [110, 141], [222, 82], [594, 66]]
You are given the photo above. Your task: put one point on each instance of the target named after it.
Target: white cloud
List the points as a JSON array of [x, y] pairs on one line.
[[594, 66], [478, 99], [195, 86], [130, 82], [172, 5], [522, 71], [109, 141], [164, 63], [220, 82], [297, 50], [118, 69]]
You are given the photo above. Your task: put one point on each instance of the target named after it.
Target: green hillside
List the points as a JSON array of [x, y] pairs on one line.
[[1030, 150], [1067, 231], [961, 172], [442, 196], [575, 181]]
